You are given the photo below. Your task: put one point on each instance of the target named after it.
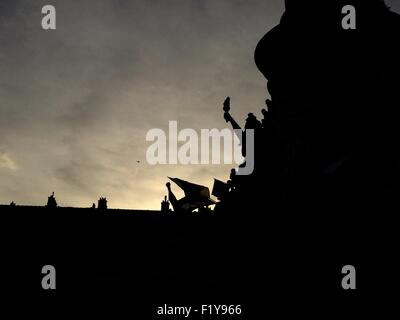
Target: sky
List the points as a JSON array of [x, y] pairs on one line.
[[76, 102]]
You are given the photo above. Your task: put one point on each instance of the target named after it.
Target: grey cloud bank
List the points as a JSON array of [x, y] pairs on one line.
[[76, 103]]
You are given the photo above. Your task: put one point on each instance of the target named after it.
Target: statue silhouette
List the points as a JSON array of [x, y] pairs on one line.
[[327, 153], [329, 137]]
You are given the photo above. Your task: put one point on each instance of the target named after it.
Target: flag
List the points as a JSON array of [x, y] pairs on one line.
[[195, 195]]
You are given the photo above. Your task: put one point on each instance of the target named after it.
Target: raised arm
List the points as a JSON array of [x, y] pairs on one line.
[[227, 115]]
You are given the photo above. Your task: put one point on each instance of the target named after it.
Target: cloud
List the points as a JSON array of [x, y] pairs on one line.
[[76, 103], [6, 162]]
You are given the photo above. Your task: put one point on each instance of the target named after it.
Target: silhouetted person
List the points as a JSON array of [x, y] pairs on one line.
[[252, 122], [264, 121]]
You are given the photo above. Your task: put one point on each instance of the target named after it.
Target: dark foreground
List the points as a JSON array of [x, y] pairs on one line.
[[134, 261]]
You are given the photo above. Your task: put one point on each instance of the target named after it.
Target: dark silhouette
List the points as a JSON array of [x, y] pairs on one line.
[[227, 115], [165, 205], [196, 196], [329, 137], [327, 151], [51, 201], [102, 204]]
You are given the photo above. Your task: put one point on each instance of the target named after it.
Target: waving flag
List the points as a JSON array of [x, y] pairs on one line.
[[196, 196]]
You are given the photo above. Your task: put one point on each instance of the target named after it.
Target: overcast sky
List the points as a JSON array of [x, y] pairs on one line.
[[76, 103]]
